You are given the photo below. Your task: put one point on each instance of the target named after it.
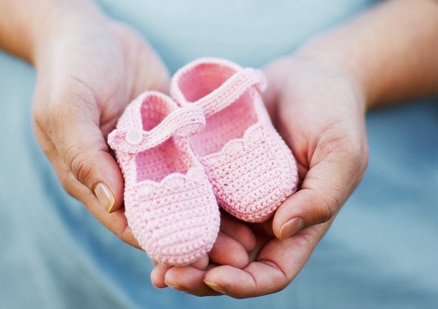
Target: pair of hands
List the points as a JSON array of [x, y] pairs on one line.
[[88, 74]]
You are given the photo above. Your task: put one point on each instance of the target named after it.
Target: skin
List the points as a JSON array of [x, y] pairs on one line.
[[78, 95], [317, 97], [332, 147]]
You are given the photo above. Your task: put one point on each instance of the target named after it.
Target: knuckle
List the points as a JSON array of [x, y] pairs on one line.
[[326, 205], [68, 184], [327, 209], [78, 162]]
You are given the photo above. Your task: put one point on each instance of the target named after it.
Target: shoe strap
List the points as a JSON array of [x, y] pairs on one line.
[[183, 121], [231, 90]]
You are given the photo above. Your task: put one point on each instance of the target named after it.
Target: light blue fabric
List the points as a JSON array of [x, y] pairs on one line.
[[380, 253], [249, 32]]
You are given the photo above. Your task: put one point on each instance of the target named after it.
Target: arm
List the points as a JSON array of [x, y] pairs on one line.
[[318, 98], [28, 25], [386, 55], [391, 51], [88, 68]]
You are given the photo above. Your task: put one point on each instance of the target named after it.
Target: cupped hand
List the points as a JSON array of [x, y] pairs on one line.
[[88, 69], [319, 110], [246, 261]]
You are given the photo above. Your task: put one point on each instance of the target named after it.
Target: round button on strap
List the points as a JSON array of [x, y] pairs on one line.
[[134, 136]]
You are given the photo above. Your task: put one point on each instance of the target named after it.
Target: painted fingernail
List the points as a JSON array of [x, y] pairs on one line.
[[104, 196], [291, 227], [215, 287]]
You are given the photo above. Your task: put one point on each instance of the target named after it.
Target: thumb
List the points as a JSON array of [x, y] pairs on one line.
[[325, 188], [85, 168], [87, 156], [70, 135]]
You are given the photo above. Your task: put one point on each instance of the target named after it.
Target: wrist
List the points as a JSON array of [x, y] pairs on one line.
[[60, 20], [318, 60], [386, 58], [31, 24]]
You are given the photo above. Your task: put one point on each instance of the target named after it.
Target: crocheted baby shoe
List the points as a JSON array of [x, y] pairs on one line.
[[169, 203], [249, 165]]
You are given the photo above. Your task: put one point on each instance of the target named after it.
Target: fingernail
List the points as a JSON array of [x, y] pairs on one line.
[[178, 288], [215, 287], [291, 227], [104, 196]]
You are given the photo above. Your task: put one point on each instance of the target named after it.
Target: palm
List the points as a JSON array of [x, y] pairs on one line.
[[86, 77], [320, 117], [274, 265]]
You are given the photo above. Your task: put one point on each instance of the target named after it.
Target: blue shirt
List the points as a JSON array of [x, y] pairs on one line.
[[380, 253]]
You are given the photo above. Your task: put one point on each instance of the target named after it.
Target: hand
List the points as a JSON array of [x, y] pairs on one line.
[[88, 69], [319, 110], [320, 113], [246, 261]]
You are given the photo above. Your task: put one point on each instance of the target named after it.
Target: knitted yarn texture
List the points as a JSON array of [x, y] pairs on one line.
[[251, 168], [169, 203], [212, 142]]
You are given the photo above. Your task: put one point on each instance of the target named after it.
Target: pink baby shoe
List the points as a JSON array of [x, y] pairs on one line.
[[249, 165], [169, 203]]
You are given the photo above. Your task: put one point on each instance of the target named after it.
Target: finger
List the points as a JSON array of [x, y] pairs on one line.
[[332, 157], [115, 221], [202, 263], [277, 265], [150, 72], [69, 136], [189, 280], [325, 188], [157, 275], [160, 269], [238, 230], [259, 278], [227, 250], [71, 130]]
